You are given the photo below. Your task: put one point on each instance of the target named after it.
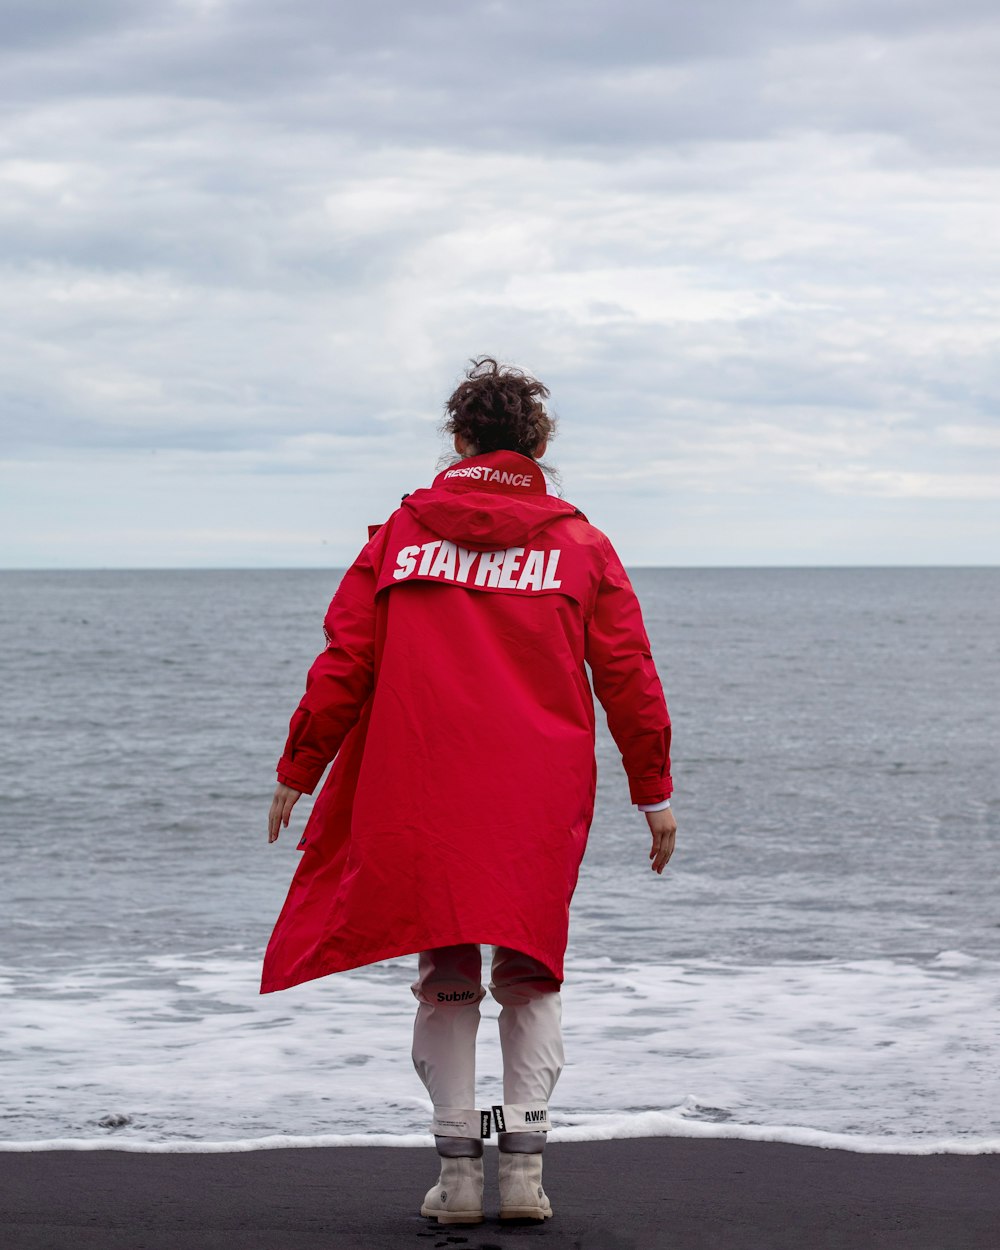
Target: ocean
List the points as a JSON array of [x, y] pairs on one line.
[[819, 963]]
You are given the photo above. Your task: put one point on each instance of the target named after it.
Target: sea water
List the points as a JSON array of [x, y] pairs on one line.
[[819, 963]]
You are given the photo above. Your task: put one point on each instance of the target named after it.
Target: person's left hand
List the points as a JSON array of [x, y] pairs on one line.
[[284, 800], [663, 827]]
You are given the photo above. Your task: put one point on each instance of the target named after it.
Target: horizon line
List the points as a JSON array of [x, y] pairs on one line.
[[326, 568]]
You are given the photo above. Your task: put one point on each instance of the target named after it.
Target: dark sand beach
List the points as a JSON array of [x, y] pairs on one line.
[[674, 1193]]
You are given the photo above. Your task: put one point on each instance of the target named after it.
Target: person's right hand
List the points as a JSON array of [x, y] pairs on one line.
[[284, 800], [663, 827]]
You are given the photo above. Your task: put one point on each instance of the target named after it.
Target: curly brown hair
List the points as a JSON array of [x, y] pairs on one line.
[[499, 408]]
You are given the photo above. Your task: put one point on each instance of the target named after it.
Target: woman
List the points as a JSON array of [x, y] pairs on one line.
[[453, 698]]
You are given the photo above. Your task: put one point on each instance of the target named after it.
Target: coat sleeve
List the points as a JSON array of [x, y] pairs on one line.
[[339, 681], [626, 683]]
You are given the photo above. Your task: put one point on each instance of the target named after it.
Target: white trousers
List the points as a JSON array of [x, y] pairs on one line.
[[449, 990]]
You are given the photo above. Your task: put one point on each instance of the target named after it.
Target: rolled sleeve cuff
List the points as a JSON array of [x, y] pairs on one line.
[[298, 776], [650, 789], [653, 807]]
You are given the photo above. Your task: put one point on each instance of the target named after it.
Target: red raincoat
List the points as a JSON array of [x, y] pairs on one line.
[[454, 696]]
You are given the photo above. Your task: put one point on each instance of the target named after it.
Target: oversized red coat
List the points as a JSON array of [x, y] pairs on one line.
[[453, 698]]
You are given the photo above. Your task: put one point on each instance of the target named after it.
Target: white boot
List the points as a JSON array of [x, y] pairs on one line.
[[521, 1193], [457, 1198]]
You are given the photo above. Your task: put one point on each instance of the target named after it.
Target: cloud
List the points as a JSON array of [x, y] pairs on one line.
[[751, 247], [517, 76]]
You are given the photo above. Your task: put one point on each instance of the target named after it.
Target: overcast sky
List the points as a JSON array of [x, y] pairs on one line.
[[752, 247]]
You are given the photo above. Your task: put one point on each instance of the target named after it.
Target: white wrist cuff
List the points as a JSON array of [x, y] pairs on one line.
[[653, 807]]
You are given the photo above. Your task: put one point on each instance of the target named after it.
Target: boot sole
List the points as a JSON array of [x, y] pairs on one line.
[[525, 1213], [453, 1217]]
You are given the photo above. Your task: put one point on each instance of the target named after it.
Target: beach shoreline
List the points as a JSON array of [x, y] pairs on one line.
[[642, 1193]]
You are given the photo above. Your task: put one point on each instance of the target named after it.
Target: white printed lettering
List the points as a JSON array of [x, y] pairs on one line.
[[489, 567], [428, 549], [551, 582], [444, 565], [511, 559], [479, 472], [514, 568], [466, 559], [406, 562], [532, 572]]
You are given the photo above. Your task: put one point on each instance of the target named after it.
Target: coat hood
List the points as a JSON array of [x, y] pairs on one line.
[[489, 501]]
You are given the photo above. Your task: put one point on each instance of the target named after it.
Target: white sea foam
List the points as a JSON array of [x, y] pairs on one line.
[[874, 1055], [646, 1124]]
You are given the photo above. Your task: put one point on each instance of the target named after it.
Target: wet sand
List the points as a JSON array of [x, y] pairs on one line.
[[644, 1193]]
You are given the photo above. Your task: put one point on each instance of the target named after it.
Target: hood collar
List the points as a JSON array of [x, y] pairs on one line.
[[488, 502], [506, 471]]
